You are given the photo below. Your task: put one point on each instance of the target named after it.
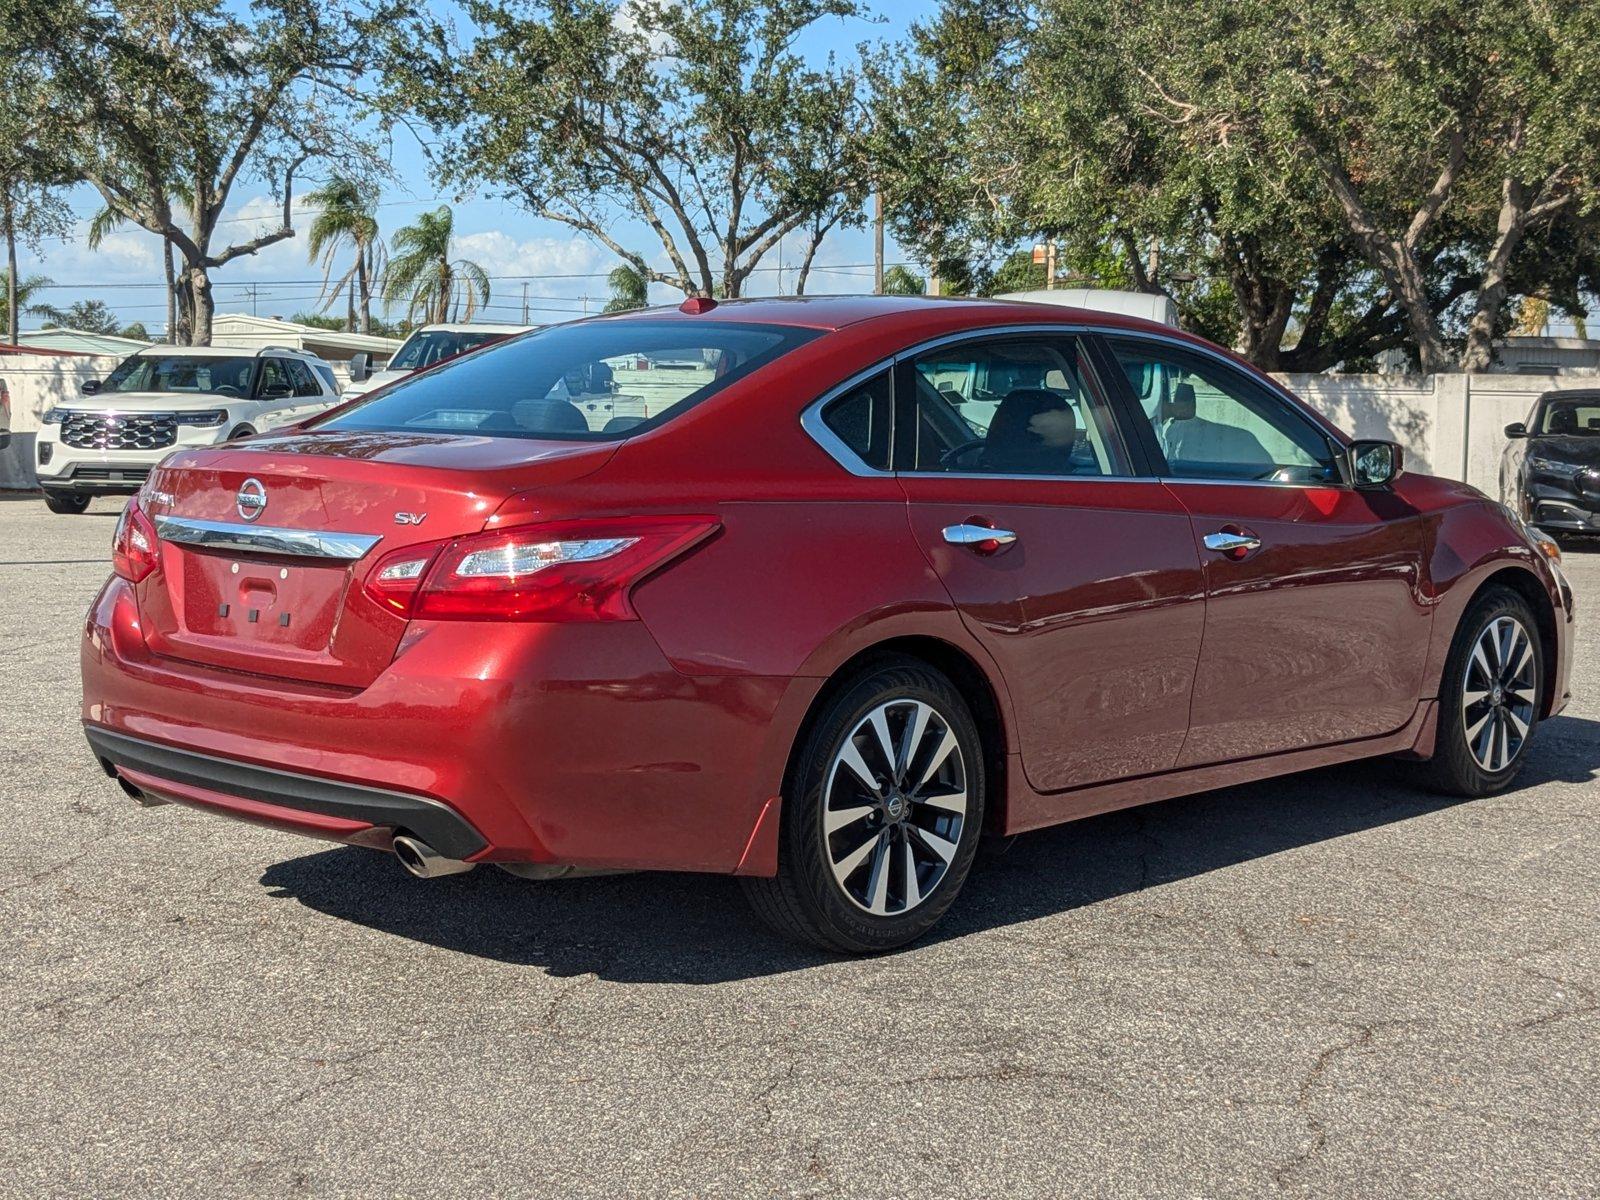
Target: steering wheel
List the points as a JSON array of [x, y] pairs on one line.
[[228, 389], [955, 452]]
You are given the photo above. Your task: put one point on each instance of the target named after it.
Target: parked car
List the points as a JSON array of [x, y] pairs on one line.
[[805, 624], [1550, 467], [168, 397], [427, 347]]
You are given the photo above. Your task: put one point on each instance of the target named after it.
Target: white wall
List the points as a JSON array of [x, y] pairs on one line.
[[37, 382], [1450, 425]]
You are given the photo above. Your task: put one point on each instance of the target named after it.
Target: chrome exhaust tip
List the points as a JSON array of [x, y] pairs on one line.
[[146, 799], [423, 861]]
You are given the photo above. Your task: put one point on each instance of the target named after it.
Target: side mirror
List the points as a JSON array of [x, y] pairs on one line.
[[1516, 430], [1375, 464], [360, 368], [90, 387], [276, 391]]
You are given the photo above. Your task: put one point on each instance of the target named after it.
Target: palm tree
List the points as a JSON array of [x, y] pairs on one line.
[[27, 289], [898, 281], [422, 276], [348, 217], [629, 289]]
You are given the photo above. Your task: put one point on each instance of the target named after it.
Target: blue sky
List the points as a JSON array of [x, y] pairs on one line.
[[509, 243]]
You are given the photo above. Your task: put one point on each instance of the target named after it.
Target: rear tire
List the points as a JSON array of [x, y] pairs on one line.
[[66, 503], [868, 866], [1488, 708]]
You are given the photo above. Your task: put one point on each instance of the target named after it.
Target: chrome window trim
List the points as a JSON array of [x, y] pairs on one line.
[[837, 449], [265, 539]]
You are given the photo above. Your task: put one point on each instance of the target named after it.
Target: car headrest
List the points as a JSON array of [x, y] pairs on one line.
[[1009, 426], [618, 424]]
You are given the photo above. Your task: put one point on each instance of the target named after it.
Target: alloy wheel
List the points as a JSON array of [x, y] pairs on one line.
[[894, 806], [1498, 694]]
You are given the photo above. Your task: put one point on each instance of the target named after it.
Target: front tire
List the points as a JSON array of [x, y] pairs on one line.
[[66, 503], [881, 816], [1489, 698]]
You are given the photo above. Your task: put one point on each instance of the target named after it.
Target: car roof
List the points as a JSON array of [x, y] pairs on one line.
[[226, 351], [472, 327], [838, 312]]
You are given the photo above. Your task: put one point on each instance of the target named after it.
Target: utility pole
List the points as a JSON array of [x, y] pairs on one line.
[[1050, 264], [525, 302], [877, 243]]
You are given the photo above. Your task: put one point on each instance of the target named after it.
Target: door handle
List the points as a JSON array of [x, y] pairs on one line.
[[980, 539], [1233, 542]]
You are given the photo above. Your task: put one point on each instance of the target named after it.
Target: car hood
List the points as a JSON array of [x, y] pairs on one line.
[[149, 402], [1581, 449]]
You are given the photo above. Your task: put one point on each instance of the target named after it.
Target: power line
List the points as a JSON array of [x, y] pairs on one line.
[[838, 269]]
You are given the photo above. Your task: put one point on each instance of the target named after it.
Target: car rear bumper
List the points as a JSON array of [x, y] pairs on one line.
[[563, 744], [284, 798]]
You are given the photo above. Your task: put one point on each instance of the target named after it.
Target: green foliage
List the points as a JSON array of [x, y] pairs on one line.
[[87, 316], [347, 218], [629, 289], [695, 117], [422, 276], [1343, 175], [184, 99], [29, 304], [900, 281]]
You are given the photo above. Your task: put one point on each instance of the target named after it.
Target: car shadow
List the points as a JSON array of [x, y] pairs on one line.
[[665, 928]]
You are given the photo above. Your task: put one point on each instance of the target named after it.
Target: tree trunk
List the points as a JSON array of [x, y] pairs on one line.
[[172, 292], [13, 318], [202, 305], [1405, 280], [350, 307], [877, 242], [364, 286], [1478, 355]]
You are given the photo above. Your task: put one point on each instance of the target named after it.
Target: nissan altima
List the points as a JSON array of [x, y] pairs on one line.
[[848, 583]]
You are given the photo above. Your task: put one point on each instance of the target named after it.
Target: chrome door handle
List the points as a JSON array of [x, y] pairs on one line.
[[978, 536], [1232, 543]]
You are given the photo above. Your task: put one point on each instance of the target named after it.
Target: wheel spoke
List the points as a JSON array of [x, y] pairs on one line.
[[1522, 660], [837, 818], [846, 866], [911, 739], [1472, 730], [939, 755], [1517, 723], [1482, 662], [956, 802], [878, 884], [943, 848], [913, 892], [880, 726], [851, 757], [1473, 696]]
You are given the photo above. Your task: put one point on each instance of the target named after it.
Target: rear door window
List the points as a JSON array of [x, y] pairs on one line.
[[1012, 406], [589, 379]]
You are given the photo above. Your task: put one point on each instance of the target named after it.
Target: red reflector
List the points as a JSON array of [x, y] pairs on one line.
[[135, 549]]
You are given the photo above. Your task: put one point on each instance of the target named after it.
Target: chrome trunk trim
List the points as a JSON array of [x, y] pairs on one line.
[[265, 539]]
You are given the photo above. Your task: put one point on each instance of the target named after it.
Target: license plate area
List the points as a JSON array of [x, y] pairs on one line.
[[291, 604]]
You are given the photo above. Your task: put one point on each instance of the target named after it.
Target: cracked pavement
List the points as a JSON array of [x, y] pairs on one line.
[[1328, 985]]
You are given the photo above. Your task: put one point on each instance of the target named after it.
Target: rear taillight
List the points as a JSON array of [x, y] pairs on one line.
[[565, 571], [135, 551]]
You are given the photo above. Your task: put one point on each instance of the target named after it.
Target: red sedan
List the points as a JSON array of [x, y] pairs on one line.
[[820, 592]]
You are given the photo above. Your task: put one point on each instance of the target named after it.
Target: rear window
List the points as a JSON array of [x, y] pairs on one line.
[[599, 380]]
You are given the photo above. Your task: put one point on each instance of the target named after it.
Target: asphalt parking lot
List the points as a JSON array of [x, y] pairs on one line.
[[1329, 985]]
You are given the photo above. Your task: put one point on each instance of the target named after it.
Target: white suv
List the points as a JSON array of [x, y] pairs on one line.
[[428, 346], [167, 397]]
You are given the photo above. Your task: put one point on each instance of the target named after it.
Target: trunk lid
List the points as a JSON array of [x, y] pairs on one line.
[[257, 595]]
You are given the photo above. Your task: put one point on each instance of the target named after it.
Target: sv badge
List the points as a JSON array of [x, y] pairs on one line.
[[409, 518]]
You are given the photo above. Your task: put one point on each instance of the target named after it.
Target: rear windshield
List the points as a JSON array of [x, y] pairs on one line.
[[590, 379], [426, 347]]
